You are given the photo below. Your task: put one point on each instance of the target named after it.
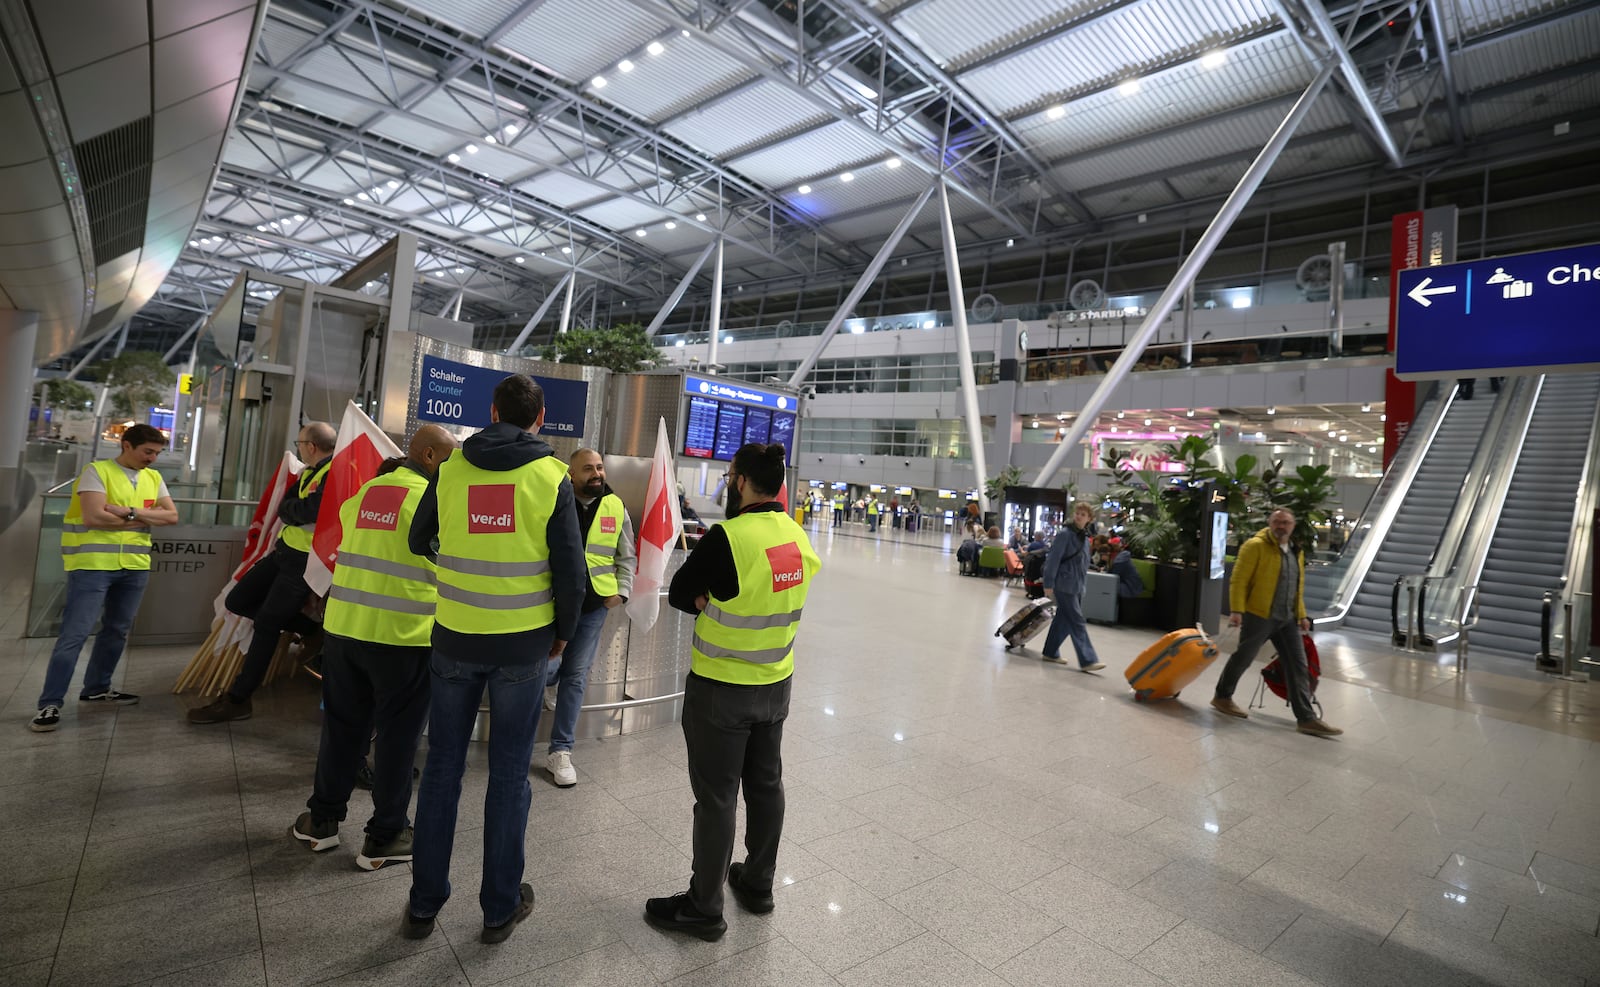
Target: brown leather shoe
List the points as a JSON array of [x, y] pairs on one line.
[[222, 710], [1223, 704], [1317, 728]]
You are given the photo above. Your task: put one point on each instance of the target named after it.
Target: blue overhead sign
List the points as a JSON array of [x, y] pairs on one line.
[[455, 393], [732, 390], [1526, 313]]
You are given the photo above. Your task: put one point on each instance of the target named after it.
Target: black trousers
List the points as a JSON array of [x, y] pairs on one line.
[[271, 594], [734, 735], [367, 687], [1285, 636]]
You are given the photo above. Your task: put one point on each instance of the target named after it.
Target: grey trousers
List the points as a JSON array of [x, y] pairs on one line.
[[734, 736], [1285, 636]]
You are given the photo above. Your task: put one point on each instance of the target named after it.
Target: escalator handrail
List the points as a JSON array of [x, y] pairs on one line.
[[1389, 494], [1575, 572], [1477, 480]]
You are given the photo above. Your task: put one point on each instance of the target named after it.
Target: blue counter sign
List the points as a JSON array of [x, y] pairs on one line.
[[1526, 313], [454, 393]]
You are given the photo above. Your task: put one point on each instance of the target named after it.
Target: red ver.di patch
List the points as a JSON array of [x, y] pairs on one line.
[[380, 508], [491, 509], [608, 525], [787, 569]]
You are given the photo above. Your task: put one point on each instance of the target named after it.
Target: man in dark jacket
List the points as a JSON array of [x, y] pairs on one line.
[[1066, 571], [511, 579], [274, 590]]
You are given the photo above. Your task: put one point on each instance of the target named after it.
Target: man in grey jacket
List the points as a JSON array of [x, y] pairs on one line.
[[1066, 573]]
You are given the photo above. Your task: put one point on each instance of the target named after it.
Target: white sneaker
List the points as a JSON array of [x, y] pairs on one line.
[[549, 697], [561, 770]]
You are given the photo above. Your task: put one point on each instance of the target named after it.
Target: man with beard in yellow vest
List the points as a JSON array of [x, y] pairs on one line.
[[379, 626], [747, 580], [105, 548], [274, 590]]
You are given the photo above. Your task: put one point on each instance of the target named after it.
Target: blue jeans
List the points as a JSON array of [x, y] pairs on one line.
[[516, 695], [1069, 622], [110, 596], [570, 673]]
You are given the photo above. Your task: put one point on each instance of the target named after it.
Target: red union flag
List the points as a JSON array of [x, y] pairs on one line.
[[659, 530], [361, 450], [262, 534]]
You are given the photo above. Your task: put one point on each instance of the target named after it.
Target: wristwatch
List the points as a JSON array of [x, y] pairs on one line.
[[133, 515]]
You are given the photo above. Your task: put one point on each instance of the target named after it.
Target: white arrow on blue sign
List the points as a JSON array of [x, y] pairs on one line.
[[1521, 314]]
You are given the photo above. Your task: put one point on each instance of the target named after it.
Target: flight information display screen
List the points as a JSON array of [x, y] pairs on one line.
[[757, 426], [783, 434], [700, 438], [730, 430]]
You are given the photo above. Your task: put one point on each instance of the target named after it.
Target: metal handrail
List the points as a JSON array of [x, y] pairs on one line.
[[206, 501], [1576, 571]]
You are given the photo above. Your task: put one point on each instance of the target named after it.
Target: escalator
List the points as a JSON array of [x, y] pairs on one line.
[[1528, 552], [1409, 543]]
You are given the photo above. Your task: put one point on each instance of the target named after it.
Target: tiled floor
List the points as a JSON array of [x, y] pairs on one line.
[[957, 815]]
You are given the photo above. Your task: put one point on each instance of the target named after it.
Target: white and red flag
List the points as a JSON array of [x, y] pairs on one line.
[[362, 448], [264, 526], [659, 531]]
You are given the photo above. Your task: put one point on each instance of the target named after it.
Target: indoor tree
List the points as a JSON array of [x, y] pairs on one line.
[[620, 348]]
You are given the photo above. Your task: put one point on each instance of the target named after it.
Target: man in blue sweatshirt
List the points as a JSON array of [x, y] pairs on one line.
[[511, 577]]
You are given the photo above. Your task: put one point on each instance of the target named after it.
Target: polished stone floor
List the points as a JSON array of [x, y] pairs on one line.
[[957, 815]]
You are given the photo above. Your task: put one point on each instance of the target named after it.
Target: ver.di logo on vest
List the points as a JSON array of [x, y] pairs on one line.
[[608, 525], [787, 569], [380, 508], [491, 509]]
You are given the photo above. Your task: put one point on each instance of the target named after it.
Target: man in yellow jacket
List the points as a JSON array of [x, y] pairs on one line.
[[1267, 597]]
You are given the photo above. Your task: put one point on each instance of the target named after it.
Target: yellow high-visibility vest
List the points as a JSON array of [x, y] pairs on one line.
[[382, 593], [600, 548], [494, 559], [749, 640], [298, 536], [83, 547]]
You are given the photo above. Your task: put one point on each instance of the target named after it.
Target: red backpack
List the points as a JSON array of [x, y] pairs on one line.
[[1272, 674]]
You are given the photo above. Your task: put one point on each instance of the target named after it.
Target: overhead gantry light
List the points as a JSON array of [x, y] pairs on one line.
[[599, 82], [453, 158], [655, 48], [625, 66]]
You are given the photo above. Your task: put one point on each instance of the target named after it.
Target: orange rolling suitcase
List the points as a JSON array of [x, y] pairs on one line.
[[1163, 669]]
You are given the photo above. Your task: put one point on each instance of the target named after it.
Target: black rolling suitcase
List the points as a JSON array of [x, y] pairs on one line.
[[1026, 623]]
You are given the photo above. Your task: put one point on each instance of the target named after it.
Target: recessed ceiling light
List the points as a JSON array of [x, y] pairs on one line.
[[1128, 87], [1260, 436], [1120, 414], [392, 184], [510, 129], [1056, 112], [804, 190], [1190, 412], [655, 48], [566, 250], [1344, 438], [453, 157], [893, 163], [489, 139], [1272, 411], [599, 82], [461, 270], [349, 202], [363, 196], [1373, 449], [624, 66], [1147, 423], [671, 225], [727, 339], [847, 177], [1366, 407], [472, 149], [867, 92], [678, 343], [298, 218], [1213, 59], [700, 217], [1383, 418], [1010, 242], [639, 232], [269, 106], [518, 260], [194, 243], [1331, 433]]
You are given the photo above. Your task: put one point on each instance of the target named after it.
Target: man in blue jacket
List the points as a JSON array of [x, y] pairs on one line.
[[1066, 572]]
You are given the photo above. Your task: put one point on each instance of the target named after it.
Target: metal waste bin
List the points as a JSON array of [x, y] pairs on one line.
[[66, 465]]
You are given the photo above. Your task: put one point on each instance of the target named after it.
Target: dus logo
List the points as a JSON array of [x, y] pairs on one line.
[[380, 508], [787, 569], [491, 509]]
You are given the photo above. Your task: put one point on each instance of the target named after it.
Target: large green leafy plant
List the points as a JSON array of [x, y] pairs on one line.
[[621, 348]]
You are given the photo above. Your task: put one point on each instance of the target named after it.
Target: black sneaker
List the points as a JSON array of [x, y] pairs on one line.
[[46, 719], [375, 854], [364, 776], [318, 834], [675, 914], [412, 927], [110, 697], [500, 933], [223, 710], [751, 900]]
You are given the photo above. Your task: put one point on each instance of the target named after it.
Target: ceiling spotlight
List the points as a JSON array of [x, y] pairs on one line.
[[1331, 433], [301, 219], [1366, 407], [392, 184], [671, 225], [511, 129], [1010, 242], [1344, 438], [518, 260], [1128, 87], [453, 158], [472, 149], [699, 217], [678, 343], [655, 48], [1372, 449], [363, 196], [1190, 412], [194, 243], [847, 177], [639, 232], [566, 250], [1213, 59], [269, 106], [488, 139], [893, 163], [624, 66], [1120, 414], [1056, 112], [867, 92], [1260, 436], [804, 190], [1272, 411], [349, 202], [728, 340], [1147, 423], [461, 270], [1383, 418], [599, 82]]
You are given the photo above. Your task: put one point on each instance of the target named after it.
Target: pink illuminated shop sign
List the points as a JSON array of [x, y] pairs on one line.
[[1144, 450]]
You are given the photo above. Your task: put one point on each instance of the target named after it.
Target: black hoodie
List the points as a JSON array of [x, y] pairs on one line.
[[503, 447]]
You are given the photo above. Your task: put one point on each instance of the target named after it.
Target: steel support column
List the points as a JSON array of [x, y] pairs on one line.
[[677, 293], [1353, 82], [544, 306], [862, 284], [716, 311], [453, 302], [1447, 71], [194, 327], [566, 306], [77, 369], [1203, 249], [969, 380]]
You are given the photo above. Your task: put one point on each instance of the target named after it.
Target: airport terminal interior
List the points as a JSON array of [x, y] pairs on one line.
[[968, 263]]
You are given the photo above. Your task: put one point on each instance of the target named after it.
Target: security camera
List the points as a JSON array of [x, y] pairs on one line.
[[862, 460], [907, 462]]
